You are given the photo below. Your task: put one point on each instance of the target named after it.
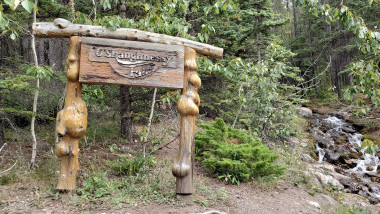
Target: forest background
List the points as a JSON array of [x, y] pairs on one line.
[[277, 57]]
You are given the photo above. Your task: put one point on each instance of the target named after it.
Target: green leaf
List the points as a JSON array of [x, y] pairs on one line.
[[370, 2], [10, 3], [28, 5]]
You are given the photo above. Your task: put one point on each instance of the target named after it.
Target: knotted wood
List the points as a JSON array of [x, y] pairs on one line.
[[62, 28], [71, 120], [187, 106]]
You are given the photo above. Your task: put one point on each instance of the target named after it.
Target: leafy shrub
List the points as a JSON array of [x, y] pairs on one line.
[[233, 154], [95, 186], [130, 167]]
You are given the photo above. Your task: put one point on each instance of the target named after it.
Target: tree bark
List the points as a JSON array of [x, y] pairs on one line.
[[35, 100], [258, 46], [125, 113], [294, 18], [125, 98], [2, 139]]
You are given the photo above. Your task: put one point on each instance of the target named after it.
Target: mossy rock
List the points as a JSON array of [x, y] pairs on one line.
[[374, 138], [313, 155], [353, 156], [371, 126]]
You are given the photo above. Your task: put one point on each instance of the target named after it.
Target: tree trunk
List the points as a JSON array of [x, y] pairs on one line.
[[294, 18], [32, 123], [2, 139], [125, 97], [258, 39], [125, 113]]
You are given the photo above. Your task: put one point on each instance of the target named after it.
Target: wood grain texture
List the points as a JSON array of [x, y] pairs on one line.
[[62, 28], [188, 109], [115, 62], [71, 121]]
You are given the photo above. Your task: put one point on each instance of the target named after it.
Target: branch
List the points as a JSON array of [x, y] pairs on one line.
[[166, 144], [9, 168], [1, 149], [62, 28]]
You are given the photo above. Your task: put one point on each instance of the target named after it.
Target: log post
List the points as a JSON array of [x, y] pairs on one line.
[[188, 109], [71, 121]]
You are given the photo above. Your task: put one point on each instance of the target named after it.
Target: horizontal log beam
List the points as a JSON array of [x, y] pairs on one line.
[[62, 28]]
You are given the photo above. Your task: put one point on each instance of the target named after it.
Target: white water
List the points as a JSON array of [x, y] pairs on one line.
[[321, 153], [369, 161], [368, 164], [356, 139], [335, 122]]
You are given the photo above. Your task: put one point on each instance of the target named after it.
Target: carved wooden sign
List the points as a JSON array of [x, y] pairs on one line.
[[116, 62]]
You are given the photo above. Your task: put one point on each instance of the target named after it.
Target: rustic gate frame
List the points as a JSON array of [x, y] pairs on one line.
[[72, 119]]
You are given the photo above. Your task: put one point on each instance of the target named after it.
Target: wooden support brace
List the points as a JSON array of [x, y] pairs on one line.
[[188, 109], [72, 121]]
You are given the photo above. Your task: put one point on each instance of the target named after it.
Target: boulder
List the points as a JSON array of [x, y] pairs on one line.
[[305, 112], [328, 180], [340, 115]]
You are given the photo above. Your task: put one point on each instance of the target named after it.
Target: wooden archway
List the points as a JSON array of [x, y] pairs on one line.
[[98, 55]]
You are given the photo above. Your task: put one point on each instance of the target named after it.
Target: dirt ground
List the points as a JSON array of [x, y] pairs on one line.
[[283, 197]]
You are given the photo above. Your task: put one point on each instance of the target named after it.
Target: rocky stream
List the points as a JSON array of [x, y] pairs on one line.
[[339, 145]]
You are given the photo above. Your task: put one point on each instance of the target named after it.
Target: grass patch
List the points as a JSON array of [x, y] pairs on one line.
[[346, 209], [131, 181], [101, 131]]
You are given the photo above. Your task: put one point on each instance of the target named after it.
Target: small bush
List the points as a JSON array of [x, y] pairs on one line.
[[233, 154]]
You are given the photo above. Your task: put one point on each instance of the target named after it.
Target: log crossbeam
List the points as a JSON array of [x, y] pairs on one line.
[[62, 28]]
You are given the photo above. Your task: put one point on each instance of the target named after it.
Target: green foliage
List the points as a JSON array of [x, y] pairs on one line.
[[346, 209], [266, 102], [369, 146], [42, 72], [371, 126], [95, 186], [130, 167], [365, 72], [233, 154]]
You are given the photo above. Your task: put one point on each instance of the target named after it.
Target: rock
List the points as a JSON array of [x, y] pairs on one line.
[[348, 129], [330, 200], [305, 112], [344, 180], [351, 162], [332, 156], [341, 115], [315, 204], [358, 124], [308, 158], [294, 141], [328, 180]]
